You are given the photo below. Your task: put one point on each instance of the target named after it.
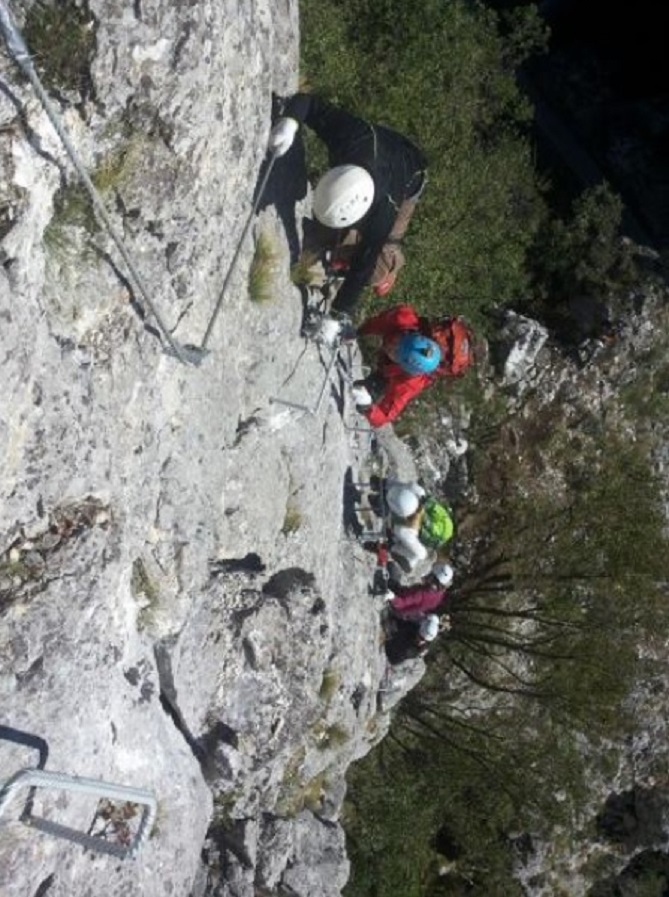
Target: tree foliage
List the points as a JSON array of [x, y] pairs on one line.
[[439, 72], [543, 652], [565, 572]]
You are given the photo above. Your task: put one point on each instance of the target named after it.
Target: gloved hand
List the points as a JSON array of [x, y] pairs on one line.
[[388, 596], [335, 329], [282, 135], [329, 331], [361, 396]]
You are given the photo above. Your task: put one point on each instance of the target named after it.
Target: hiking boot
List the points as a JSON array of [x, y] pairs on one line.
[[402, 563]]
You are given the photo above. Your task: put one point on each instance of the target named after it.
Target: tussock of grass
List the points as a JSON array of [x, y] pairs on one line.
[[263, 269], [121, 163], [329, 685], [144, 589], [292, 520], [301, 272], [61, 37], [330, 737]]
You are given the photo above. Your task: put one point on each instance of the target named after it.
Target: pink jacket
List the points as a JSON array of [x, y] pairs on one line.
[[417, 600]]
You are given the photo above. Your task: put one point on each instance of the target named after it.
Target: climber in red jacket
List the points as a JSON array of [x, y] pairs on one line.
[[414, 353]]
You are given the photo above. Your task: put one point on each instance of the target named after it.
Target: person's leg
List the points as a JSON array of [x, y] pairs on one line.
[[391, 259], [407, 545]]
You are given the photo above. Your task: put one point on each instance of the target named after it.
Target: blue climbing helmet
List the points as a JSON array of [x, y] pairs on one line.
[[417, 354]]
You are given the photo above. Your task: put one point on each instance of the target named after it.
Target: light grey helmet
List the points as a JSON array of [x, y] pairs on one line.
[[401, 500], [444, 574], [429, 627], [343, 196]]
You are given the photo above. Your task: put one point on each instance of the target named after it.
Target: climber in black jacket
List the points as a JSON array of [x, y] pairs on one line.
[[370, 192]]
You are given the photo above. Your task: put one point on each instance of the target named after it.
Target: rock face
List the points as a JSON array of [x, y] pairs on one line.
[[182, 608]]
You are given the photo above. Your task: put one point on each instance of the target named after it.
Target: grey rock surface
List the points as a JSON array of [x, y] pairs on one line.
[[182, 605]]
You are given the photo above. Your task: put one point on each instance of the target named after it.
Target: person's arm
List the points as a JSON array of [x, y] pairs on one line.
[[335, 127], [397, 395], [374, 230], [357, 278], [409, 600], [298, 106], [399, 317], [338, 129]]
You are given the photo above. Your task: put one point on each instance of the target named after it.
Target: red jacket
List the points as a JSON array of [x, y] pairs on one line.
[[411, 602], [400, 387]]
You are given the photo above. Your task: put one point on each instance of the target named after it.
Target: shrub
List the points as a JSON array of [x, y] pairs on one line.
[[263, 270], [61, 37]]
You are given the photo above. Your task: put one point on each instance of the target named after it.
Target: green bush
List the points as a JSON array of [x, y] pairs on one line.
[[61, 36], [565, 577], [440, 73]]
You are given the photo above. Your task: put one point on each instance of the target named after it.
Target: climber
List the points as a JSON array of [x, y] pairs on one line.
[[365, 200], [415, 351], [418, 522], [410, 638], [415, 601]]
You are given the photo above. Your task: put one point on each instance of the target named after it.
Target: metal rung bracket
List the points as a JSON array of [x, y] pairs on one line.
[[38, 778]]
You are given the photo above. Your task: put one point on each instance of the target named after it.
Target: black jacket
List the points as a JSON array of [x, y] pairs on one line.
[[404, 642], [395, 164]]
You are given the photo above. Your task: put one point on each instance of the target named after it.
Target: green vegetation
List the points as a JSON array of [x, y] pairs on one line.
[[292, 520], [301, 273], [72, 210], [124, 161], [544, 642], [330, 737], [263, 270], [444, 74], [441, 73], [329, 685], [61, 38], [145, 590], [566, 539], [297, 793]]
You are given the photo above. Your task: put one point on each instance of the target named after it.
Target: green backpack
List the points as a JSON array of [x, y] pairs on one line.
[[436, 526]]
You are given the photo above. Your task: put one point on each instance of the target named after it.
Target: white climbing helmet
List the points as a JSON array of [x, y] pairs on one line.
[[343, 195], [402, 502], [443, 573], [429, 627]]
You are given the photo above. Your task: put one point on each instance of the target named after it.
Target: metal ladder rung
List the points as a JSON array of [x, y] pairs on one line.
[[38, 778]]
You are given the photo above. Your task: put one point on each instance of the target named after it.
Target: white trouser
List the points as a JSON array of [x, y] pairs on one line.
[[406, 544]]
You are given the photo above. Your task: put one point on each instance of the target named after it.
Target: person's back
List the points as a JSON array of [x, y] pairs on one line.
[[394, 162], [410, 638], [385, 393], [397, 169], [403, 644], [412, 602]]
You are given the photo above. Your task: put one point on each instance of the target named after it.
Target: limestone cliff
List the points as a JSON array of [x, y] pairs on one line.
[[181, 607]]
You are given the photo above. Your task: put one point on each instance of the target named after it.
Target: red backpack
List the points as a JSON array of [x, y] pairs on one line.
[[456, 341]]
